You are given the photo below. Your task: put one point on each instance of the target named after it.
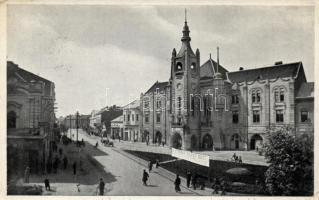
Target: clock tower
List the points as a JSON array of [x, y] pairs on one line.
[[185, 96]]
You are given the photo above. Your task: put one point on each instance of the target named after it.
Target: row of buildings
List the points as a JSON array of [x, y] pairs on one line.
[[31, 127], [207, 107]]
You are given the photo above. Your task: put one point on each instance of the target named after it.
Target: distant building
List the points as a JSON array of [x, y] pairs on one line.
[[117, 128], [71, 121], [30, 120], [100, 120], [132, 121]]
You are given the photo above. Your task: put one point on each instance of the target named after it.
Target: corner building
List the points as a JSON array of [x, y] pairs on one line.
[[209, 108]]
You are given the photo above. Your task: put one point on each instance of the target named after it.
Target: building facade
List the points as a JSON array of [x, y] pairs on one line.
[[132, 122], [30, 120], [117, 128], [207, 107]]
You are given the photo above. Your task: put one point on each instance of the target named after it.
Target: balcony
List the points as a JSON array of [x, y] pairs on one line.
[[24, 133]]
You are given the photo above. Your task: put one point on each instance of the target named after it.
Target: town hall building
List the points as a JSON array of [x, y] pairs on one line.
[[207, 107]]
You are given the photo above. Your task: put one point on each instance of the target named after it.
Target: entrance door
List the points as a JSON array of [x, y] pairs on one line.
[[236, 144]]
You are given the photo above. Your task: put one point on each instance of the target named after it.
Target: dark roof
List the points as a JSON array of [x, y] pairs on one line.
[[207, 70], [306, 90], [160, 85], [271, 72], [13, 70]]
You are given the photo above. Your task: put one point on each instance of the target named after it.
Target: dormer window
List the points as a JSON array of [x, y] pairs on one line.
[[179, 67]]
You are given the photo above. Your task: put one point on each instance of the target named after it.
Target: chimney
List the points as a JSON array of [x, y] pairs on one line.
[[241, 68], [278, 63]]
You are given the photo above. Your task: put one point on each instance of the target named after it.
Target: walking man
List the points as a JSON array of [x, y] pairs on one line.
[[47, 184], [145, 177], [101, 187], [150, 166], [188, 178], [177, 184], [194, 181], [74, 168]]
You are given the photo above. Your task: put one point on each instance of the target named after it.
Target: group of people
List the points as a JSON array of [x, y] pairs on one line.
[[219, 185], [236, 158]]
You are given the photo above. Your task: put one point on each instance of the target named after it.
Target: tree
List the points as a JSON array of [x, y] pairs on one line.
[[291, 163]]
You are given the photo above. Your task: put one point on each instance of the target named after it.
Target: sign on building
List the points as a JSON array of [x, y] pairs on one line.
[[191, 157]]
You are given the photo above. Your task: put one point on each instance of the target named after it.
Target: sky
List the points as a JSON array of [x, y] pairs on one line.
[[104, 55]]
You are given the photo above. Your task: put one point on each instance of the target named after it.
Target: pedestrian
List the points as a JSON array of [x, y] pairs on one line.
[[234, 157], [194, 181], [65, 162], [47, 184], [145, 177], [101, 187], [157, 163], [240, 160], [74, 168], [60, 152], [150, 166], [215, 186], [223, 187], [27, 174], [177, 184], [188, 178]]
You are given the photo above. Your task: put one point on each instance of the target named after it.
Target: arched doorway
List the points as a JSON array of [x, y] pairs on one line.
[[158, 137], [235, 139], [193, 142], [207, 142], [145, 136], [11, 119], [177, 141], [256, 141]]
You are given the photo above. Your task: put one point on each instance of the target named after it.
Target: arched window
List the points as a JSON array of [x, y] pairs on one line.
[[279, 94], [12, 119], [256, 96], [179, 67]]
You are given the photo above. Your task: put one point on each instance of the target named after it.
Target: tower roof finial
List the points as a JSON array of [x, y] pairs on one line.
[[185, 15], [217, 58]]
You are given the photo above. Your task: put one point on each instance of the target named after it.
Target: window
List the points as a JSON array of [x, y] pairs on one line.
[[276, 96], [179, 105], [192, 106], [282, 95], [193, 66], [146, 104], [123, 118], [235, 99], [179, 67], [128, 117], [304, 116], [235, 117], [147, 118], [132, 117], [256, 116], [256, 96], [11, 120], [136, 117], [279, 116], [158, 117], [158, 103]]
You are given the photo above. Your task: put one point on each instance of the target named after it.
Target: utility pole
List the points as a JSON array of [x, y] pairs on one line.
[[70, 127], [77, 127]]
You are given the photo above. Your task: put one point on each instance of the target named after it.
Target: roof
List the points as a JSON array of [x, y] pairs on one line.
[[270, 72], [118, 119], [306, 90], [133, 104], [209, 68], [160, 85], [13, 70]]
